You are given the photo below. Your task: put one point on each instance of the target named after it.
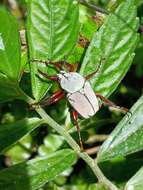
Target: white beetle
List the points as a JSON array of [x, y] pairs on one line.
[[79, 93]]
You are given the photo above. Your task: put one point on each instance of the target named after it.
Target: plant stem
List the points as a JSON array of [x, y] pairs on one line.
[[61, 130], [96, 170], [92, 6], [92, 163]]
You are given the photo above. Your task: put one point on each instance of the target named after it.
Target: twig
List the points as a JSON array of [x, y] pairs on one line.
[[92, 150], [92, 6], [93, 164], [13, 4], [97, 138], [98, 9], [72, 143], [23, 39]]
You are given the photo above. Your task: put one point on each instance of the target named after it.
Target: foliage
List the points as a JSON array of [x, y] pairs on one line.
[[39, 151]]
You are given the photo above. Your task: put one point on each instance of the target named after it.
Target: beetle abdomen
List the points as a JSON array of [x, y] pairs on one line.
[[84, 101]]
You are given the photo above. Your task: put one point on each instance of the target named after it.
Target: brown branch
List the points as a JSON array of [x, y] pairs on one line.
[[92, 150], [23, 39], [94, 7], [97, 138]]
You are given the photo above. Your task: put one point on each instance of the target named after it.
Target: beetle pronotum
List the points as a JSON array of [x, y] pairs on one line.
[[78, 91]]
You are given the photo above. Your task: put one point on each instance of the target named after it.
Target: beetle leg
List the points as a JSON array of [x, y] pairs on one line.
[[110, 103], [40, 61], [89, 76], [58, 65], [69, 67], [83, 42], [52, 77], [75, 117], [47, 63], [58, 95]]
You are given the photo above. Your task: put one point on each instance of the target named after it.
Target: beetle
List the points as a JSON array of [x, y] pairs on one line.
[[77, 90]]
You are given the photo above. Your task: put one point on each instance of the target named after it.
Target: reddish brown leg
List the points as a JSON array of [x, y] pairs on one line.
[[75, 117], [50, 100], [89, 76], [110, 103], [83, 41], [69, 67], [53, 77], [58, 65], [75, 67], [58, 95]]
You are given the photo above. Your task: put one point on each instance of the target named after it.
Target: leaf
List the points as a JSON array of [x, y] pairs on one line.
[[138, 59], [11, 133], [8, 89], [136, 182], [97, 186], [21, 151], [85, 186], [113, 45], [52, 143], [127, 136], [9, 57], [52, 186], [88, 25], [35, 173], [52, 31], [9, 46], [139, 2]]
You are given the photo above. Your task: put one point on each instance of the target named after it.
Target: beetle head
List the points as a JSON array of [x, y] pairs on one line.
[[71, 81], [61, 75]]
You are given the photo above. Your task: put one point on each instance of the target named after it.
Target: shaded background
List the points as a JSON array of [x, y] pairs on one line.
[[40, 142]]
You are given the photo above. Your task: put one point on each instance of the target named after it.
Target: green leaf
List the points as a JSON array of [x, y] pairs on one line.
[[139, 2], [88, 25], [11, 133], [85, 186], [136, 182], [52, 31], [8, 89], [9, 57], [35, 173], [52, 142], [52, 186], [9, 46], [96, 187], [21, 151], [127, 136], [113, 45]]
